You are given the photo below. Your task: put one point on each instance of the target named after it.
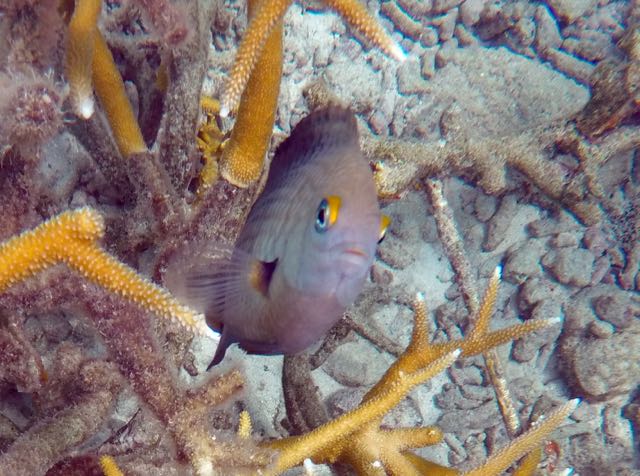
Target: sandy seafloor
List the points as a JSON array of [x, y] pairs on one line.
[[554, 265]]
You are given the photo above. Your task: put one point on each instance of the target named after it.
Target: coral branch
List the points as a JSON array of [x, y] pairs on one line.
[[295, 449], [113, 97], [260, 27], [360, 20], [71, 238], [467, 283], [246, 150], [525, 443], [266, 19], [36, 450], [80, 52], [356, 437]]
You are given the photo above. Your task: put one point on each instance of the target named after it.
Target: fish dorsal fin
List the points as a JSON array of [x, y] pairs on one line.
[[328, 127]]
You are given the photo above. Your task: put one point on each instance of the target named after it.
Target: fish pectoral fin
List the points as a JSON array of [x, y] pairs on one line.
[[261, 274]]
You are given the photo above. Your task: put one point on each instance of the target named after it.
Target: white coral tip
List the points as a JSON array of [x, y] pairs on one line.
[[398, 53], [86, 107]]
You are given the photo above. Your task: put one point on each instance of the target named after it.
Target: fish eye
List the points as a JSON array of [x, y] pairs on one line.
[[385, 220], [327, 213]]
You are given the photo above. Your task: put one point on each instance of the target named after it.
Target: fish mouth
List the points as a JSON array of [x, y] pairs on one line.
[[357, 252], [354, 257]]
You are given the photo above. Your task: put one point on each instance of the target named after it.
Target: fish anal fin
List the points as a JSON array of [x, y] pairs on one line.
[[226, 339], [261, 274]]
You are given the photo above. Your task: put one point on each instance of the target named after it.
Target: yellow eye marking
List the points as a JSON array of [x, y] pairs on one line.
[[333, 202], [385, 221]]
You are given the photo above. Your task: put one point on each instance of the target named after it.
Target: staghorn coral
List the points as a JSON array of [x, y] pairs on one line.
[[355, 438], [153, 222], [244, 154], [71, 238], [81, 41], [254, 82], [399, 163], [266, 20]]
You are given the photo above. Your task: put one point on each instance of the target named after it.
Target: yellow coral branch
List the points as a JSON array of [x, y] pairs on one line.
[[244, 425], [526, 442], [72, 238], [115, 102], [269, 13], [109, 466], [79, 55], [481, 321], [360, 20], [267, 16], [355, 437], [244, 154], [295, 449], [529, 463]]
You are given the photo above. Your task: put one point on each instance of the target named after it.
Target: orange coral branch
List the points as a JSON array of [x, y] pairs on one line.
[[526, 442], [72, 238], [79, 55], [295, 449], [244, 154], [113, 97], [355, 437], [267, 16], [360, 20], [109, 466]]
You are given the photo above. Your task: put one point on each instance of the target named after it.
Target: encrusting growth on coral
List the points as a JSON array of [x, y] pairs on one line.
[[266, 19], [79, 58], [356, 438], [210, 141], [72, 238], [38, 448], [244, 154]]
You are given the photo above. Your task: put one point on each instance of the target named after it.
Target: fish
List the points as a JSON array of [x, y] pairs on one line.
[[307, 245]]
